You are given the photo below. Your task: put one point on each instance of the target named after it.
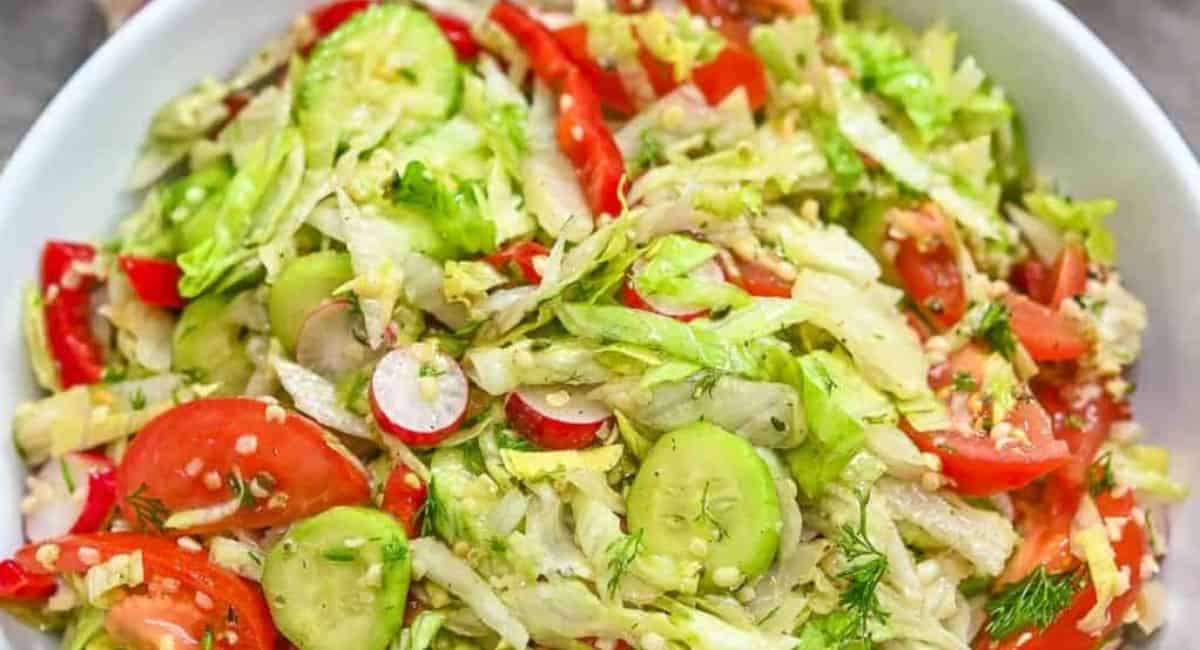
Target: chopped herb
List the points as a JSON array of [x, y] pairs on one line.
[[498, 545], [137, 401], [1034, 601], [507, 439], [206, 641], [865, 568], [150, 512], [995, 329], [66, 474], [1100, 477], [1075, 421], [621, 554], [239, 489], [650, 151], [394, 550], [964, 382], [706, 382], [339, 554], [429, 371], [114, 373], [707, 516], [779, 425], [432, 511]]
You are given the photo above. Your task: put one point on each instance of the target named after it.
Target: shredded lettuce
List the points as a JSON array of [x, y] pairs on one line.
[[1146, 468], [1086, 218], [454, 213], [33, 322]]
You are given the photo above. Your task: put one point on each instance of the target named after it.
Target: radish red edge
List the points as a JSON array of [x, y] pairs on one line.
[[546, 426], [710, 271], [399, 405]]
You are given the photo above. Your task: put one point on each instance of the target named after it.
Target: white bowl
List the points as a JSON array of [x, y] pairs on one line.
[[1090, 124]]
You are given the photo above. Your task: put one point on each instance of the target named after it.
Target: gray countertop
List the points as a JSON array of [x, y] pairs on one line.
[[43, 41]]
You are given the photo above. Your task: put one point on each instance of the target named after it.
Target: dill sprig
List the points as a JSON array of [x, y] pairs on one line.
[[1036, 601], [706, 515], [151, 512], [621, 554], [865, 568], [432, 511]]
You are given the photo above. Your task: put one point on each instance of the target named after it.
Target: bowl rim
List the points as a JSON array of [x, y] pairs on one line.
[[22, 168]]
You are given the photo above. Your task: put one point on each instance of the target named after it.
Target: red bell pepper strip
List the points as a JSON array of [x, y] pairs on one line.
[[68, 313], [520, 254], [608, 84], [582, 134], [19, 584], [329, 17], [458, 32], [734, 67], [155, 280]]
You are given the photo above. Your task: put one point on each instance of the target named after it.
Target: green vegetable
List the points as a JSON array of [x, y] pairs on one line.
[[208, 345], [1146, 467], [884, 67], [302, 285], [383, 65], [865, 568], [455, 214], [1035, 601], [838, 402], [534, 465], [684, 503], [358, 601], [1083, 217], [995, 329], [665, 275], [33, 321]]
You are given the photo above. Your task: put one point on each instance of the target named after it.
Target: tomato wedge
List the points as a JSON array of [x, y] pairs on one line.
[[1064, 632], [203, 453], [735, 67], [155, 280], [403, 497], [1083, 421], [1069, 277], [608, 84], [458, 32], [1029, 278], [180, 589], [976, 463], [519, 254], [67, 296], [1046, 334], [724, 16], [582, 133]]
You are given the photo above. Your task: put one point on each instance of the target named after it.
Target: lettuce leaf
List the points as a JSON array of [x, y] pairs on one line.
[[454, 213], [884, 67], [1083, 217]]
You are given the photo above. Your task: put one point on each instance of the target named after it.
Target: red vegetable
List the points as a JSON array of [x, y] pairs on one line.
[[582, 133], [1047, 335], [1081, 420], [734, 67], [927, 265], [19, 584], [68, 313], [403, 497], [535, 413], [724, 16], [758, 279], [194, 455], [607, 83], [1069, 277], [521, 255], [170, 602], [327, 18], [155, 280], [977, 464], [458, 32]]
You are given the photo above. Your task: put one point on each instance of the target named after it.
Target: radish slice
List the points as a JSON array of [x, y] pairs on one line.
[[554, 418], [73, 494], [419, 394], [709, 271], [327, 343]]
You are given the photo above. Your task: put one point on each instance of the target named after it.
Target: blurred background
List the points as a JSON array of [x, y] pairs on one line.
[[43, 41]]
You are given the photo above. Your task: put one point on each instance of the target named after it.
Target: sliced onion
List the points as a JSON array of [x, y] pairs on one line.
[[71, 494]]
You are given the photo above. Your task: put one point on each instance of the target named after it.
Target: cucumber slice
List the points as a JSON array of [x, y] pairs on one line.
[[387, 65], [210, 345], [339, 580], [302, 285], [704, 494]]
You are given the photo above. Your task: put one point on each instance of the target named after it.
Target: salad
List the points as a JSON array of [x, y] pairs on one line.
[[707, 325]]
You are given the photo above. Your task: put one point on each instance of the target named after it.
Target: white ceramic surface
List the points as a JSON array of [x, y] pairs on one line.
[[1091, 125]]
